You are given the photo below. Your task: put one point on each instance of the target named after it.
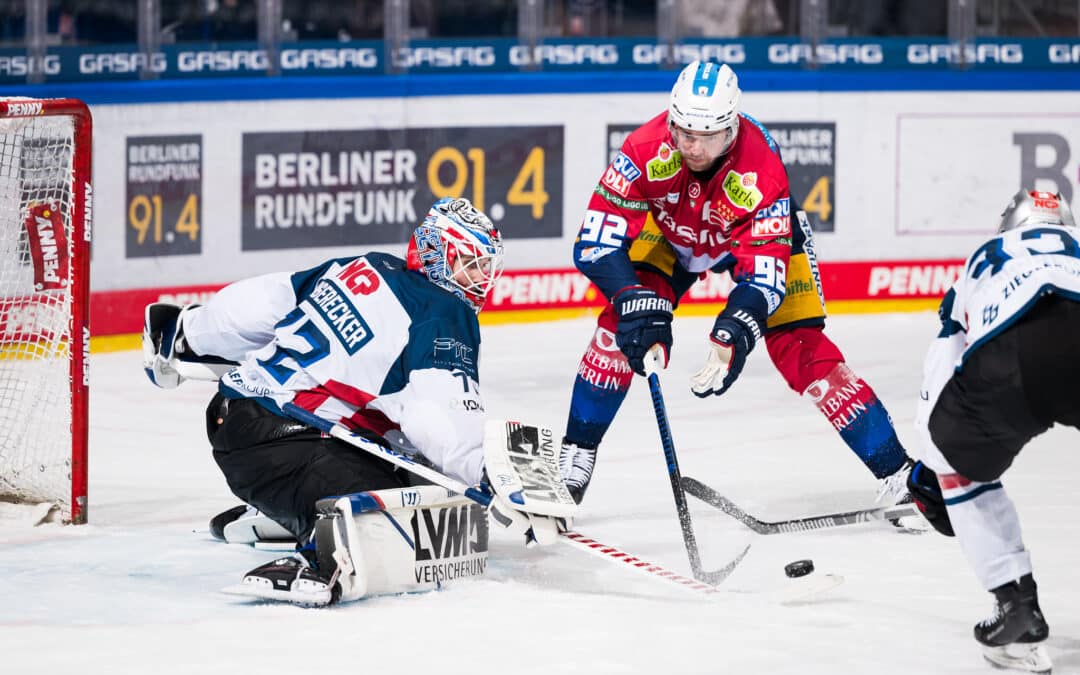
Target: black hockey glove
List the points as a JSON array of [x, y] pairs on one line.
[[644, 321], [733, 336], [923, 485]]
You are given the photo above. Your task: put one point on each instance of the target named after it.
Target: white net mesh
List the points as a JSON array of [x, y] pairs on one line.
[[35, 309]]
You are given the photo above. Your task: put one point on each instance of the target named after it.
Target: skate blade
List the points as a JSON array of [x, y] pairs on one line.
[[807, 589], [260, 592], [1016, 656], [271, 545], [913, 524]]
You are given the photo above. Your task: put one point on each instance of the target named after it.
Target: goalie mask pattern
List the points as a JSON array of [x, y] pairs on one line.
[[1032, 207], [459, 249]]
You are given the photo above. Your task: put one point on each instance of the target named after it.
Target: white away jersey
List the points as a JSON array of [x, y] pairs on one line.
[[361, 341], [1001, 281], [1007, 274]]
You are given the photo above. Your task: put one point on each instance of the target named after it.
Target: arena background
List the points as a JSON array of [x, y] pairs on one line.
[[216, 160]]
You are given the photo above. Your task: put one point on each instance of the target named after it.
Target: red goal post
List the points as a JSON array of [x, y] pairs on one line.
[[46, 199]]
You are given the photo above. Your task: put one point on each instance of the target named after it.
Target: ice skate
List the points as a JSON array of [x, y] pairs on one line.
[[576, 466], [245, 524], [293, 579], [1013, 636], [892, 491]]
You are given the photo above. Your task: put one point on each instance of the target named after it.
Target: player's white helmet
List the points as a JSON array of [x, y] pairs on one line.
[[1032, 207], [458, 248], [706, 98]]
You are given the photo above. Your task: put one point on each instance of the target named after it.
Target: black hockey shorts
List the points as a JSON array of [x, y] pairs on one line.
[[282, 467], [1011, 389]]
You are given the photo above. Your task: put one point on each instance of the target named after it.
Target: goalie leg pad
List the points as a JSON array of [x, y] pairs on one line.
[[404, 540]]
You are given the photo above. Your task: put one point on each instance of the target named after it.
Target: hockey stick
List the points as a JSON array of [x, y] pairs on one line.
[[391, 455], [652, 570], [689, 540], [714, 498], [573, 539]]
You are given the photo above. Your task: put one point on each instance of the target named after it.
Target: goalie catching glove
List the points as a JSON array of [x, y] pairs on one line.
[[167, 359], [522, 473]]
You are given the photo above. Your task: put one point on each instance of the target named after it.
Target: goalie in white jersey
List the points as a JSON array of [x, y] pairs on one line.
[[1002, 370], [373, 343]]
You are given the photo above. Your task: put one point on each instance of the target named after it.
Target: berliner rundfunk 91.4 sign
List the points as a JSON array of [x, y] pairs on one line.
[[348, 187]]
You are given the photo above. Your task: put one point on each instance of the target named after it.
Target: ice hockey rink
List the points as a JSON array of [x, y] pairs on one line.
[[138, 589]]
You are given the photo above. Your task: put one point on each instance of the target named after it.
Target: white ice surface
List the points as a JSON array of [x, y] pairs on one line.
[[137, 590]]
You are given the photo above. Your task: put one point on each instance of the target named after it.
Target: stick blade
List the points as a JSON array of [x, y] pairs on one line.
[[717, 577]]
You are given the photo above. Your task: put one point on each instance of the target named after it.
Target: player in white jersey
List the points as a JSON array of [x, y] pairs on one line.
[[1002, 370], [372, 342]]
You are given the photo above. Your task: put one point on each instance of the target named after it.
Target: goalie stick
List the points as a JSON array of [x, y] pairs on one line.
[[714, 498], [689, 540], [573, 539]]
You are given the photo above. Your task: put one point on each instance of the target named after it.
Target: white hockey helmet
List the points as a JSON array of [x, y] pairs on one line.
[[458, 248], [1032, 207], [706, 98]]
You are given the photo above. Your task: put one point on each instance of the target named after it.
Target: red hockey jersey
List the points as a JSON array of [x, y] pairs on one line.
[[739, 218]]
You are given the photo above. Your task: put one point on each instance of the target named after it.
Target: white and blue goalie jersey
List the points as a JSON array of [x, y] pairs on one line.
[[361, 341]]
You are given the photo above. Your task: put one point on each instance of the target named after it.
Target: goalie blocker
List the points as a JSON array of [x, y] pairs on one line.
[[418, 538]]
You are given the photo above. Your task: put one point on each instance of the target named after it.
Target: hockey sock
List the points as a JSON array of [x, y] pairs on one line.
[[602, 381], [854, 410], [987, 527]]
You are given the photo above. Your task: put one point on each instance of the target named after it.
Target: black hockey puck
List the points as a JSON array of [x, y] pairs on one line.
[[799, 568]]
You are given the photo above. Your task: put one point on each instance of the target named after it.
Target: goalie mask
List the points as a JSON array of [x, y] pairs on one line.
[[1031, 207], [705, 98], [458, 248]]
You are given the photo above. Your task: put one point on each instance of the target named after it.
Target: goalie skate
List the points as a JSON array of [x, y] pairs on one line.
[[292, 579], [246, 525], [1031, 658]]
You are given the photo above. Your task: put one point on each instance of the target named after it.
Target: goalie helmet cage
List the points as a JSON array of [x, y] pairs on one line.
[[45, 226]]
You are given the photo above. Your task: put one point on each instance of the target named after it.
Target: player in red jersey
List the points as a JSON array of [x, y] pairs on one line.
[[702, 188]]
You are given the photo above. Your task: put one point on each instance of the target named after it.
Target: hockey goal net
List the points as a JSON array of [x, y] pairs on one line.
[[45, 207]]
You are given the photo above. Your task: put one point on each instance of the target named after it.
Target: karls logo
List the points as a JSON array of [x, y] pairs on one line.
[[48, 246], [665, 165], [741, 189], [25, 109]]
